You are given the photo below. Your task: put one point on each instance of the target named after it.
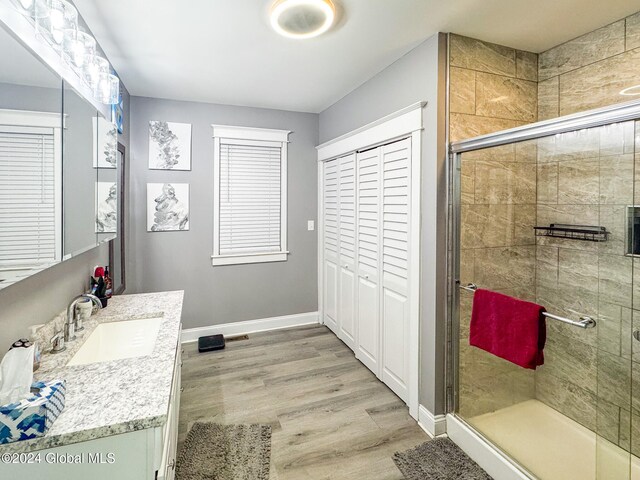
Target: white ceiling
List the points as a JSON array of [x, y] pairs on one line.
[[224, 51]]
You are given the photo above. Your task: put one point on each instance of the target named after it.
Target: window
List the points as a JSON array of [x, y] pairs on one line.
[[250, 195], [30, 164]]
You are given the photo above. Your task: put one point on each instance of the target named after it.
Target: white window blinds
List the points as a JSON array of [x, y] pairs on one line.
[[28, 198], [250, 198]]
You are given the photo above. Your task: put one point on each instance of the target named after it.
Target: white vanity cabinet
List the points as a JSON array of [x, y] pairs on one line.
[[146, 454], [167, 468]]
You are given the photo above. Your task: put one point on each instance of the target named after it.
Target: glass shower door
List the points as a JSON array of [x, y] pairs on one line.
[[575, 417]]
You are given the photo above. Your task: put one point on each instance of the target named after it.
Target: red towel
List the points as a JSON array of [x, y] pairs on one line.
[[508, 328]]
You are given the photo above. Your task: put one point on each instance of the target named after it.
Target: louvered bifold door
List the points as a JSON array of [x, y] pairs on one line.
[[28, 212], [368, 257], [347, 249], [396, 175], [331, 225]]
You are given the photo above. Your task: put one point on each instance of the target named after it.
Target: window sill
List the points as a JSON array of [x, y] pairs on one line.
[[217, 260]]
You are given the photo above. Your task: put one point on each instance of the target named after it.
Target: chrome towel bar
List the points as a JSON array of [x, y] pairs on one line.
[[584, 322]]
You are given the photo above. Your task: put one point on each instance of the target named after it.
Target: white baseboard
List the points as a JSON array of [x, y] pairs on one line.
[[490, 459], [251, 326], [434, 425]]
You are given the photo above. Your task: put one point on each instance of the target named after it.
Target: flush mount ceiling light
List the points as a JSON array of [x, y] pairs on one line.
[[302, 18], [631, 91]]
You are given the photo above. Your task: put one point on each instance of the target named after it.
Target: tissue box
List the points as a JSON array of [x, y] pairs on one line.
[[33, 416]]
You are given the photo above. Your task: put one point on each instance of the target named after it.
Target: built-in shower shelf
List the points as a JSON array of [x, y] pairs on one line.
[[589, 233]]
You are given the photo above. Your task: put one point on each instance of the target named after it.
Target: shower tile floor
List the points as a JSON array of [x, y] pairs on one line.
[[554, 447]]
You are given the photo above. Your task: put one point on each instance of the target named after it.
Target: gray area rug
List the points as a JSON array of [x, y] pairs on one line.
[[225, 452], [439, 459]]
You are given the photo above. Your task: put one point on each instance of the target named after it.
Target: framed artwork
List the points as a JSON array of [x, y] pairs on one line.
[[105, 143], [169, 146], [117, 114], [167, 207], [106, 207]]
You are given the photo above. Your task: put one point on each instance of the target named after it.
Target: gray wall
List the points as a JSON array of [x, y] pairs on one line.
[[182, 260], [418, 76], [25, 97], [38, 298], [78, 175]]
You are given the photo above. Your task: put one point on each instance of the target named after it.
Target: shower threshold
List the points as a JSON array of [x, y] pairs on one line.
[[554, 447]]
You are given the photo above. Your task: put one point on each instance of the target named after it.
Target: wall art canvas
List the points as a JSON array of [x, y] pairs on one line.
[[106, 207], [169, 146], [167, 207], [105, 143], [117, 114]]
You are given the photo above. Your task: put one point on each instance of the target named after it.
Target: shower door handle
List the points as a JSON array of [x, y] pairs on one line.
[[636, 335]]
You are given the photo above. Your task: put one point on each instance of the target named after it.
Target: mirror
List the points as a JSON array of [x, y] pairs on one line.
[[30, 163], [58, 167], [106, 223], [78, 152]]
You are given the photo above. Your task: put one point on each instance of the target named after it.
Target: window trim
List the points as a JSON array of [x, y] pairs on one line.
[[250, 135]]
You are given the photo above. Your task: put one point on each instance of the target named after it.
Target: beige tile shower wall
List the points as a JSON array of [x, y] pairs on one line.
[[587, 177], [493, 88], [590, 71]]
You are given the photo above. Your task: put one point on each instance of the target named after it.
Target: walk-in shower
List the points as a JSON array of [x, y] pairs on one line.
[[550, 213]]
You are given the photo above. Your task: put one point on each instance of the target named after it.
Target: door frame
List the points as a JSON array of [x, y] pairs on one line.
[[405, 123], [122, 193]]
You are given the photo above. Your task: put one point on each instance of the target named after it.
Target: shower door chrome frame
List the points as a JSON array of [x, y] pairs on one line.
[[624, 112], [454, 281]]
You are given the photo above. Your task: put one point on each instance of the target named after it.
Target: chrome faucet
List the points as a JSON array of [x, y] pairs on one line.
[[57, 342], [73, 323]]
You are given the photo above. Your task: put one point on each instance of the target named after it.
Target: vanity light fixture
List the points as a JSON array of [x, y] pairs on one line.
[[56, 22], [52, 18], [94, 66], [108, 89], [302, 18], [631, 91], [78, 47]]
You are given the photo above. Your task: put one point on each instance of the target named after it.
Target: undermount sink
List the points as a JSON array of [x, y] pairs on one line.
[[118, 340]]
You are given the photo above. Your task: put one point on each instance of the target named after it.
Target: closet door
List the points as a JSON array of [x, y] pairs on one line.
[[396, 175], [347, 249], [331, 187], [368, 254]]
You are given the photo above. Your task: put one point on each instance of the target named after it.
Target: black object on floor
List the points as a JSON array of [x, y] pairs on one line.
[[439, 459], [210, 342]]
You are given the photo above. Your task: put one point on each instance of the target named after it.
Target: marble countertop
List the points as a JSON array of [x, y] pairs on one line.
[[114, 397]]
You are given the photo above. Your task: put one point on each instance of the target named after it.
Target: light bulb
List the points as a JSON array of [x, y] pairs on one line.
[[56, 20], [77, 54], [79, 47], [108, 89], [94, 65]]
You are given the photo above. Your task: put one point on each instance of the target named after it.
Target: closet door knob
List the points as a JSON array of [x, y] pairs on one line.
[[366, 277]]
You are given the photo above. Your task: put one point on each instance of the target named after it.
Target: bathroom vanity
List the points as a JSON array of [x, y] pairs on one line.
[[120, 419]]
